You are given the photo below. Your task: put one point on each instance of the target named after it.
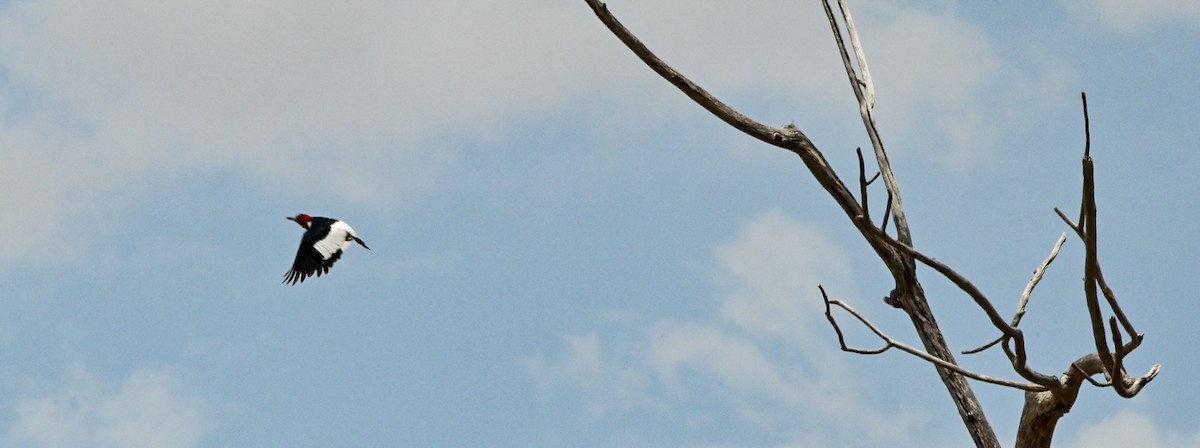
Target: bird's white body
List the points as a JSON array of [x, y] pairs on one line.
[[340, 237]]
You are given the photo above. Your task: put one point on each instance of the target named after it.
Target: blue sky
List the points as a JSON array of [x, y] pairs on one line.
[[567, 251]]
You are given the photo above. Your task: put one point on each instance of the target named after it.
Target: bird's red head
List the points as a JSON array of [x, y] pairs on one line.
[[301, 219]]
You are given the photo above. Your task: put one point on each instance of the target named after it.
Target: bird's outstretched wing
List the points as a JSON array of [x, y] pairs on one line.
[[320, 249], [310, 263], [314, 257]]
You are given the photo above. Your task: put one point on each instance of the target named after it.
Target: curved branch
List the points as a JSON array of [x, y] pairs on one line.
[[1043, 409], [890, 342], [768, 134], [788, 137]]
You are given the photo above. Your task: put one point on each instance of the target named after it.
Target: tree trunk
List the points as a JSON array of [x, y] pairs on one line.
[[969, 409]]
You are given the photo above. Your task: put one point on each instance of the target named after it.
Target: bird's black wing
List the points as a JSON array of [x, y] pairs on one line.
[[309, 261]]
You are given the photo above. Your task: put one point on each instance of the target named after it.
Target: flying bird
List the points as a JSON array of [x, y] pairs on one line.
[[322, 245]]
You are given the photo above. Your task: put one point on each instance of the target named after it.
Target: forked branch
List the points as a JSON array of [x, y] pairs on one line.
[[1113, 363], [907, 293], [1048, 396], [890, 343], [864, 90]]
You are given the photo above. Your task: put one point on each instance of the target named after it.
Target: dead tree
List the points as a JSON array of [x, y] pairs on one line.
[[1047, 397]]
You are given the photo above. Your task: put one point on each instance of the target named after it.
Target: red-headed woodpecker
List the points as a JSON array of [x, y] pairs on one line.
[[322, 245]]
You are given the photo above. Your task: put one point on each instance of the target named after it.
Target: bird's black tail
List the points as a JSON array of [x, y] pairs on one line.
[[360, 242]]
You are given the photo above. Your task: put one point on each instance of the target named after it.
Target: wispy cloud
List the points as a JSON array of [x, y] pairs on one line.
[[149, 408], [351, 102], [606, 386], [1132, 428], [368, 102], [759, 355]]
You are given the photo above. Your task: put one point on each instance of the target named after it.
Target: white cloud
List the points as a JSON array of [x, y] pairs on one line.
[[760, 357], [356, 101], [229, 83], [351, 101], [1131, 428], [733, 360], [771, 271], [606, 386], [148, 409]]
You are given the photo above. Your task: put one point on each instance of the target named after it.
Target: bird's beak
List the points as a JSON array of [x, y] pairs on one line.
[[291, 218]]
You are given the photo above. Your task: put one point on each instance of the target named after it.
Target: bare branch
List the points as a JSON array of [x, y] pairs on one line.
[[1116, 308], [706, 100], [1019, 357], [1130, 386], [866, 108], [887, 212], [1109, 296], [1087, 128], [1093, 279], [868, 101], [1078, 230], [1037, 277], [788, 137], [863, 183], [1024, 300], [983, 347], [890, 342], [956, 278], [1118, 369], [1048, 397], [838, 329], [1091, 266], [908, 294], [1107, 292]]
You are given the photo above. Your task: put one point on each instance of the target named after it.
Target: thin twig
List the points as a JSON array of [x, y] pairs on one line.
[[1078, 230], [1111, 297], [866, 106], [887, 213], [889, 343], [1037, 277], [1087, 128], [861, 58], [838, 329], [984, 346], [862, 183], [1019, 358], [1024, 300]]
